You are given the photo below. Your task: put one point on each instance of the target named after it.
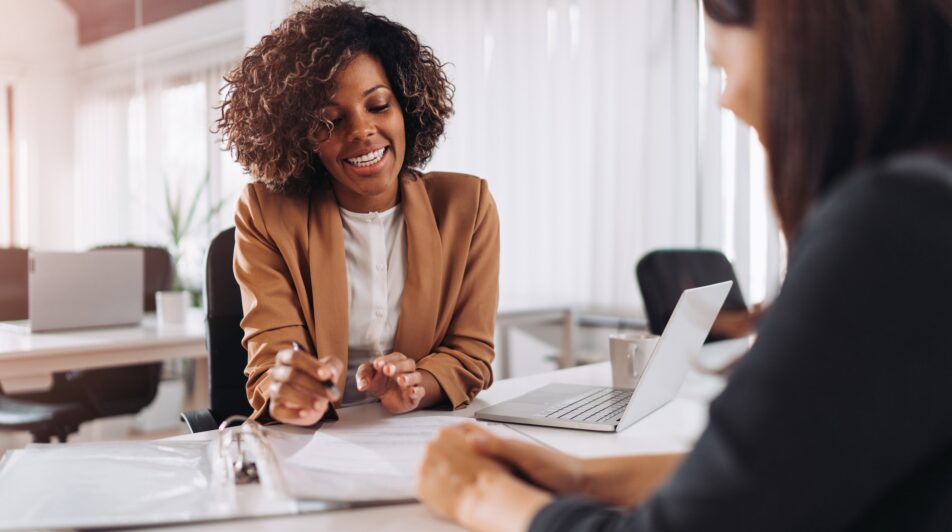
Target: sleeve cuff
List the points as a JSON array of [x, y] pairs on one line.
[[447, 376]]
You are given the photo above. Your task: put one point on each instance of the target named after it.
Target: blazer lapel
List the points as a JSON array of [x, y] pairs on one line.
[[422, 289], [328, 272]]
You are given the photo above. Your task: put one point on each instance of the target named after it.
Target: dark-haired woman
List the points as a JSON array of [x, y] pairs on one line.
[[355, 267], [840, 417]]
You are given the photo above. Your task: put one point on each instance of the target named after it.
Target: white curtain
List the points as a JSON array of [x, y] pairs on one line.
[[144, 154], [582, 114]]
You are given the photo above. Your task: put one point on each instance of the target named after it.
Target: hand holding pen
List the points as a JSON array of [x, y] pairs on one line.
[[302, 386]]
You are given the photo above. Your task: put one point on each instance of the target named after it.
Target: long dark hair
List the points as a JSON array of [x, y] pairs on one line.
[[848, 82]]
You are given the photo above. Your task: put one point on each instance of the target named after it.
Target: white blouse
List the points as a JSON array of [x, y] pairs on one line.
[[376, 254]]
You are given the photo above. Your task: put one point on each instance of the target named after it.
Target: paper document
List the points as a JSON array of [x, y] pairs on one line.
[[370, 460]]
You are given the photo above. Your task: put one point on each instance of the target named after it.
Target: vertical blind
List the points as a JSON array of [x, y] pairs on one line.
[[582, 117]]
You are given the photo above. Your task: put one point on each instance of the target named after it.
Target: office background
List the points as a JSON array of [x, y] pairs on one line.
[[594, 121]]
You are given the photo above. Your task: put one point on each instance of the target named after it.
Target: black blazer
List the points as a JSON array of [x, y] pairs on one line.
[[840, 417]]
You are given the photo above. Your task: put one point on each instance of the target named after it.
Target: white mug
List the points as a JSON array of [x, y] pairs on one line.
[[171, 307], [630, 353]]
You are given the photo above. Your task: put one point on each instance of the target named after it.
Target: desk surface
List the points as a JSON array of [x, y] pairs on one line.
[[27, 360], [674, 427]]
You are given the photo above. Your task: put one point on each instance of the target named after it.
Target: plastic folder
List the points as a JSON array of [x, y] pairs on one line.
[[120, 484]]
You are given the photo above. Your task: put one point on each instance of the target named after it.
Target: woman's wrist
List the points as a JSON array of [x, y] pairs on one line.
[[434, 392], [498, 501]]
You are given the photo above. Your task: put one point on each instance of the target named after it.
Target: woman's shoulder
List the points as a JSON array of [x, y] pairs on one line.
[[257, 196], [900, 203], [452, 190], [452, 181], [892, 190]]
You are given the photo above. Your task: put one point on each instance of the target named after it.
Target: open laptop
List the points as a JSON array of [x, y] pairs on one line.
[[77, 290], [608, 409]]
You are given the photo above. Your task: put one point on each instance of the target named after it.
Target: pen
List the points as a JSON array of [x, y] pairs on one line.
[[328, 384]]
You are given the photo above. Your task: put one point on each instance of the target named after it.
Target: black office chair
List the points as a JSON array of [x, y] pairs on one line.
[[663, 274], [226, 356]]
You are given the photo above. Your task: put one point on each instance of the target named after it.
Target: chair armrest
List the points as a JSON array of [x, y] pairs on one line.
[[199, 420]]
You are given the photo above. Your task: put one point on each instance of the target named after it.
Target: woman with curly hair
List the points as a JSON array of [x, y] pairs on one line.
[[354, 267]]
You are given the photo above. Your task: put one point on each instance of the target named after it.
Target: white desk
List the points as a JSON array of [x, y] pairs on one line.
[[28, 361], [674, 427]]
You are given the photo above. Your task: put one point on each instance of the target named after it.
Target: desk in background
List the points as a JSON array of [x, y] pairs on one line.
[[29, 360], [569, 318]]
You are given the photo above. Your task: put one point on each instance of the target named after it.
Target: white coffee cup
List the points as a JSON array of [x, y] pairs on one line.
[[629, 356], [171, 307]]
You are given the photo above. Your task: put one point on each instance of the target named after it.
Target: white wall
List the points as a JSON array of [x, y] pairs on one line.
[[37, 51]]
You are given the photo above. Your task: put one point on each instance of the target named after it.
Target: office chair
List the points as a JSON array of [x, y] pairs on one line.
[[112, 391], [43, 420], [128, 389], [663, 274], [223, 334]]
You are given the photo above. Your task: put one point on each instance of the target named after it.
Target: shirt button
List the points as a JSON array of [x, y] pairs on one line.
[[378, 313], [380, 267]]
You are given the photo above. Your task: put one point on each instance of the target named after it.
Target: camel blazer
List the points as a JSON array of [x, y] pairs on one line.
[[289, 263]]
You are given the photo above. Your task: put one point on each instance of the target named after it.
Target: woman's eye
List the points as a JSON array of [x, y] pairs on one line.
[[380, 108]]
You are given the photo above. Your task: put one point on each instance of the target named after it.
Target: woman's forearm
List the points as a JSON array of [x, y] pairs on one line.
[[627, 480]]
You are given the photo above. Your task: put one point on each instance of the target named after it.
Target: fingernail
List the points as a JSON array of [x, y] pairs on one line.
[[304, 413], [318, 405], [282, 373], [322, 373], [402, 380], [361, 383], [391, 369], [378, 364]]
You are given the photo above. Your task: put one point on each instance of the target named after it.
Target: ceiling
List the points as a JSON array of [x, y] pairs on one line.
[[100, 19]]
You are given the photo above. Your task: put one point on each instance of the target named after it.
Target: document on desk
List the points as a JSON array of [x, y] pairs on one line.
[[362, 461]]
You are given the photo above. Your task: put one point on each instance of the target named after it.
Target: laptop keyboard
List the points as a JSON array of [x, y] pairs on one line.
[[595, 406]]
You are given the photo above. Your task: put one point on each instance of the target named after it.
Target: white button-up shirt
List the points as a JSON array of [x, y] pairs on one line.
[[376, 255]]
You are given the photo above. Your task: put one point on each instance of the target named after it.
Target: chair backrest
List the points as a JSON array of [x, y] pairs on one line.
[[223, 313], [124, 390], [14, 295], [663, 274], [159, 270]]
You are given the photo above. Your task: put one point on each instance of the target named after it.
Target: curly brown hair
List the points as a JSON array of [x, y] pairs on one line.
[[270, 116]]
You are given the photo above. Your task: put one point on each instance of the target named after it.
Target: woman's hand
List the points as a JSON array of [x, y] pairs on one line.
[[297, 395], [457, 483], [555, 471], [737, 323], [395, 380]]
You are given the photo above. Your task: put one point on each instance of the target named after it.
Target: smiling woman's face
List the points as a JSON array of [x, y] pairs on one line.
[[365, 151]]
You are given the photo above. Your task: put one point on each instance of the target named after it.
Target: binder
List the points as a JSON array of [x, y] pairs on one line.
[[140, 483]]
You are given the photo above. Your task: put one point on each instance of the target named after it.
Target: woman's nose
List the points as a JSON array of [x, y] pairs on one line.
[[362, 127]]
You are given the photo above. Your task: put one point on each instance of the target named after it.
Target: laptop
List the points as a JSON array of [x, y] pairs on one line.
[[606, 409], [67, 290]]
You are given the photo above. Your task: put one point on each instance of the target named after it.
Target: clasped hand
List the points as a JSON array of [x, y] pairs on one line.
[[298, 395], [395, 380]]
